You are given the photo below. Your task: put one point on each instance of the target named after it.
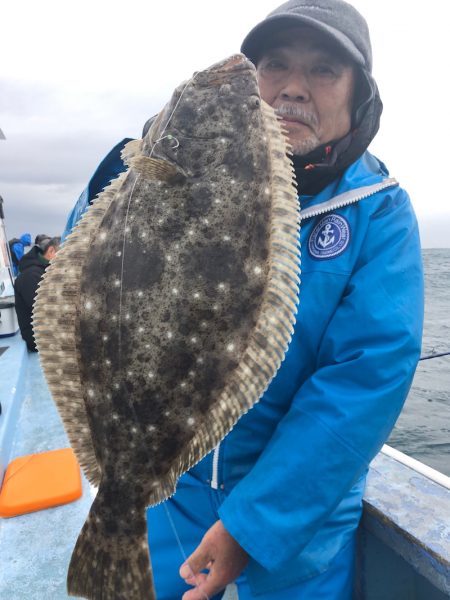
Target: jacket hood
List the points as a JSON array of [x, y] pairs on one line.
[[26, 239]]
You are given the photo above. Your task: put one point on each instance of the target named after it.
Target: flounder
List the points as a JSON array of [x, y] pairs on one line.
[[169, 309]]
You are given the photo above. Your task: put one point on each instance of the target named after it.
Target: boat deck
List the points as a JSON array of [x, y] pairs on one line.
[[35, 548]]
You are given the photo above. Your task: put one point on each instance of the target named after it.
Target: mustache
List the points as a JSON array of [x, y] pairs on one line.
[[298, 113]]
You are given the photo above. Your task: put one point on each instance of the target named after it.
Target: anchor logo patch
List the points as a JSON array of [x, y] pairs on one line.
[[329, 238]]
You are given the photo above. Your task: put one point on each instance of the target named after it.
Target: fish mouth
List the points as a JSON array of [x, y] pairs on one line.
[[236, 62], [233, 62]]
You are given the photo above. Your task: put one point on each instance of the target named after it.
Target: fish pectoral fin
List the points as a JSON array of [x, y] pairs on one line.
[[154, 168]]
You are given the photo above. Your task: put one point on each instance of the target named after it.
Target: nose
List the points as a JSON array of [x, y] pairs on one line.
[[296, 87]]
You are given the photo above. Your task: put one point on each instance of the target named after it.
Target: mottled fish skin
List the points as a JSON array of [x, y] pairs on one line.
[[178, 292]]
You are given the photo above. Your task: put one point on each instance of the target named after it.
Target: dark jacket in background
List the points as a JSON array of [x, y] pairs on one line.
[[32, 267]]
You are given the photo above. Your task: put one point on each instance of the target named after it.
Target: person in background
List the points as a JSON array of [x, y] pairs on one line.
[[17, 249], [34, 251], [275, 508], [32, 268]]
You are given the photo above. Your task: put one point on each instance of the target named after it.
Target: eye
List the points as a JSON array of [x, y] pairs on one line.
[[323, 70], [273, 64]]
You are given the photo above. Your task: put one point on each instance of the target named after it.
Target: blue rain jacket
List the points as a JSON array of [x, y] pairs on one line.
[[292, 471]]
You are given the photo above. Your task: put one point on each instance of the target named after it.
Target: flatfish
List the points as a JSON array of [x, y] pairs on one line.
[[169, 309]]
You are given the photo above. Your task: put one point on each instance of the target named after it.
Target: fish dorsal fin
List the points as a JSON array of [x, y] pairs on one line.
[[153, 168]]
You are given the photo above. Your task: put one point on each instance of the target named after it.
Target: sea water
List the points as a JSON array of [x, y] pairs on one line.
[[423, 429]]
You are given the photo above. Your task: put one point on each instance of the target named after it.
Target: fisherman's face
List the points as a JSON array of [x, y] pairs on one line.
[[310, 84]]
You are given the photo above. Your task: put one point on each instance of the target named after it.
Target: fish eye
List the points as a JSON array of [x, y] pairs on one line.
[[254, 102]]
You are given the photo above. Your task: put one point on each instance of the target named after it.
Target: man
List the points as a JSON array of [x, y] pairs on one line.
[[32, 268], [276, 506], [34, 251]]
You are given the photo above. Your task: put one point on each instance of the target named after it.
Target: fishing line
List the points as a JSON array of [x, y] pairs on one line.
[[180, 546], [161, 137], [177, 143]]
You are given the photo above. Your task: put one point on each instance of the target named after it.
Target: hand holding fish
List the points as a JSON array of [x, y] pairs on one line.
[[224, 558]]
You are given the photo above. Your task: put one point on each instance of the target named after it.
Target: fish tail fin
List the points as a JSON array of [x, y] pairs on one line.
[[111, 558]]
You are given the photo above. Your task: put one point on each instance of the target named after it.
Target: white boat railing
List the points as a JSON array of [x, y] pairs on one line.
[[418, 466]]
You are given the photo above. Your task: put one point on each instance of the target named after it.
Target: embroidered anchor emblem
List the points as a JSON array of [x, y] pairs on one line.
[[327, 238]]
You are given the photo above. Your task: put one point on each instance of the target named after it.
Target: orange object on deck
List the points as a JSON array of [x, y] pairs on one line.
[[39, 481]]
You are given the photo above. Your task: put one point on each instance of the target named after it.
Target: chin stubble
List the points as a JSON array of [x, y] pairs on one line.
[[309, 142]]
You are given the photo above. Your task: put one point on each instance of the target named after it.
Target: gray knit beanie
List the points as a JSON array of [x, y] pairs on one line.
[[341, 21]]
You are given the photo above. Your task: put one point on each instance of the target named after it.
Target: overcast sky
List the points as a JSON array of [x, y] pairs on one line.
[[78, 77]]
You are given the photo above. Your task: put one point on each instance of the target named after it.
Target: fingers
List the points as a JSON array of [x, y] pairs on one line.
[[218, 553]]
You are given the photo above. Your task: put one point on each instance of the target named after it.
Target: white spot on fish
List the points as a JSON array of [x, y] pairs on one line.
[[151, 375], [205, 221], [191, 232], [143, 234], [115, 416], [217, 201], [196, 295], [267, 191], [174, 291], [119, 253], [200, 360], [167, 413], [88, 305], [140, 329], [230, 347], [127, 230], [169, 258], [223, 140], [91, 393], [169, 335], [194, 340], [107, 362], [140, 293], [129, 373], [151, 428], [103, 235], [190, 421], [117, 282], [160, 221], [257, 270], [183, 384], [134, 430], [105, 338], [221, 286], [127, 316], [226, 238]]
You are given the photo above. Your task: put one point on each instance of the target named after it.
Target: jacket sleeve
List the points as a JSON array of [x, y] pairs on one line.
[[344, 412], [110, 167]]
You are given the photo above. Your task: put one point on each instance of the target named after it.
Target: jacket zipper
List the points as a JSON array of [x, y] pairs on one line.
[[215, 468], [347, 198], [339, 201]]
